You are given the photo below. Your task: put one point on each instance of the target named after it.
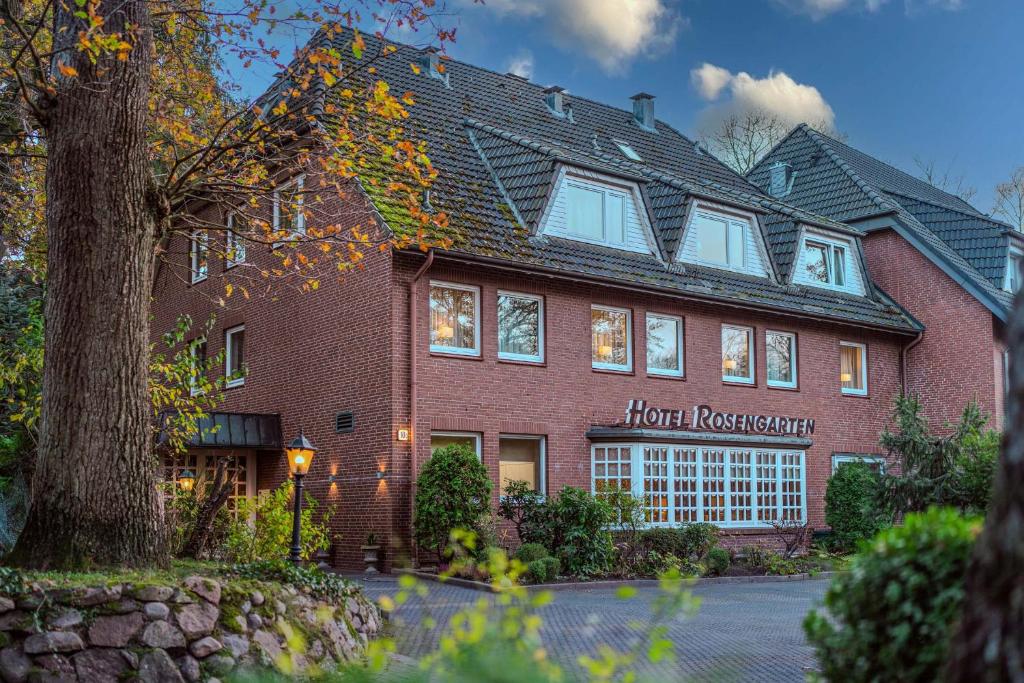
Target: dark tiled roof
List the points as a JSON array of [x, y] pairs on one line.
[[497, 147]]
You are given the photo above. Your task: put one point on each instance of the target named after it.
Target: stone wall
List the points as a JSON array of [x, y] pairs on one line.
[[194, 629]]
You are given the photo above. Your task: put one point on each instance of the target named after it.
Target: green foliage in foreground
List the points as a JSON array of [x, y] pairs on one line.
[[891, 616], [852, 505]]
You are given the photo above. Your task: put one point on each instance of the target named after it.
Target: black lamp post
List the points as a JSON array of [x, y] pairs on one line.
[[300, 454]]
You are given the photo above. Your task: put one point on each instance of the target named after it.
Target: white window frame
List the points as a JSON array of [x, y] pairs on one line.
[[234, 252], [793, 361], [299, 182], [475, 436], [863, 369], [680, 339], [193, 389], [729, 219], [830, 244], [605, 189], [198, 247], [840, 458], [228, 380], [1018, 256], [627, 150], [526, 358], [751, 353], [542, 483], [475, 351], [597, 365]]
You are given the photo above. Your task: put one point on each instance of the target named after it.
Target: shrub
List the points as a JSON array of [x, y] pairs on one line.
[[891, 616], [718, 560], [321, 584], [521, 505], [664, 541], [544, 569], [754, 556], [262, 528], [851, 505], [12, 582], [976, 469], [779, 565], [692, 541], [576, 524], [452, 492], [529, 552], [699, 538]]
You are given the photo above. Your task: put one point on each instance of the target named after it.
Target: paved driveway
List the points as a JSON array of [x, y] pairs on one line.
[[741, 632]]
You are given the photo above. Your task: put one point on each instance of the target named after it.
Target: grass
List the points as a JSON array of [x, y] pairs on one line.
[[178, 570]]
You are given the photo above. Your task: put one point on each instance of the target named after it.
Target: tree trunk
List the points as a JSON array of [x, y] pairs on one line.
[[989, 645], [214, 501], [94, 494]]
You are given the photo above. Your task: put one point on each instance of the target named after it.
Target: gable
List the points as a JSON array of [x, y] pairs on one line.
[[705, 214]]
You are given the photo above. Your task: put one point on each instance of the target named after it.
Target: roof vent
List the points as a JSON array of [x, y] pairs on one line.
[[431, 63], [554, 97], [345, 422], [780, 179], [643, 110]]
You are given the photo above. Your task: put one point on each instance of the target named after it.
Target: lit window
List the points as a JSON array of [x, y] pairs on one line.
[[235, 245], [596, 213], [853, 368], [454, 319], [1014, 271], [825, 263], [610, 339], [720, 240], [664, 345], [289, 212], [520, 327], [198, 352], [780, 348], [737, 354], [521, 458], [198, 252], [627, 150], [234, 360], [443, 439]]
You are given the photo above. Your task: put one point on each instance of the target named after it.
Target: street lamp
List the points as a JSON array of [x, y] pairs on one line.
[[186, 480], [300, 454]]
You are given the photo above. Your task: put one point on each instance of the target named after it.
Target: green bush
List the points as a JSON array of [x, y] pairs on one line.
[[12, 582], [452, 492], [575, 527], [976, 469], [779, 565], [891, 616], [324, 585], [521, 505], [544, 569], [754, 556], [529, 552], [852, 505], [262, 528], [692, 541], [718, 560], [664, 541], [699, 538]]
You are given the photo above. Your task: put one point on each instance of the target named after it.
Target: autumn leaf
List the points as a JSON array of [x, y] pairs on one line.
[[67, 71]]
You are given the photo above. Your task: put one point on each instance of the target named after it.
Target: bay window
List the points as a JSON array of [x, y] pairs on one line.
[[611, 343], [520, 327], [454, 319], [664, 345], [780, 349], [737, 354], [521, 458], [853, 368]]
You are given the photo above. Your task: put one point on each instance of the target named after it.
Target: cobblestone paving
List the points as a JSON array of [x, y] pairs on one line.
[[741, 632]]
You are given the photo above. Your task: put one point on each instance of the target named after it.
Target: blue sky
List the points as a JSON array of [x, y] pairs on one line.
[[937, 79]]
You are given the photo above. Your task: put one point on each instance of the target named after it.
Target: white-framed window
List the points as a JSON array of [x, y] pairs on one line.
[[780, 352], [720, 239], [853, 368], [596, 212], [289, 207], [627, 150], [235, 245], [727, 486], [471, 440], [825, 262], [1014, 270], [875, 462], [197, 348], [454, 318], [737, 354], [520, 327], [234, 356], [522, 458], [240, 471], [199, 254], [611, 338], [664, 345]]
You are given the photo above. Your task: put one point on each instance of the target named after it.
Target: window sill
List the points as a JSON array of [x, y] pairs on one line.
[[628, 372], [521, 361], [196, 281], [848, 395], [739, 383], [233, 385], [674, 378], [461, 356], [779, 387]]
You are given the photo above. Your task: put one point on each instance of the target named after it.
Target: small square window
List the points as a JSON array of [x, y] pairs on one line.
[[611, 345], [234, 360], [737, 354], [454, 319], [520, 327], [853, 368], [521, 458], [664, 345], [627, 150], [235, 251], [199, 248], [780, 349], [470, 440]]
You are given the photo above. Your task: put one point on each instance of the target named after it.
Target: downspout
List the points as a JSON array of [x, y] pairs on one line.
[[413, 431], [904, 352]]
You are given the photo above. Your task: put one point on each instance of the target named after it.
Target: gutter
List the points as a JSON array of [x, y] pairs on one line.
[[904, 353], [413, 375]]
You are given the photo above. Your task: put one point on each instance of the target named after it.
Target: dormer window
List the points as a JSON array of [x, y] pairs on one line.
[[720, 240], [829, 262], [1014, 271], [825, 263], [596, 213], [627, 151]]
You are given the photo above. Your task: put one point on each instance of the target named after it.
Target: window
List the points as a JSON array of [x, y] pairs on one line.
[[521, 458], [198, 351], [1014, 271], [680, 484], [737, 354], [664, 345], [627, 150], [198, 254], [853, 368], [780, 349], [240, 470], [234, 360], [442, 439], [596, 213], [720, 240], [289, 213], [611, 343], [454, 319], [235, 252], [875, 462], [825, 263], [520, 327]]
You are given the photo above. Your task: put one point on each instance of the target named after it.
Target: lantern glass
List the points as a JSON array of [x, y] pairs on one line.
[[186, 480], [300, 455]]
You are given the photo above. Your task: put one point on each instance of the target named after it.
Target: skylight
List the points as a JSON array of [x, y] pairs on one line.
[[628, 151]]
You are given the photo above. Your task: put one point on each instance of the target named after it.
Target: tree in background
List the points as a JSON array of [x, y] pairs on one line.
[[741, 140], [1010, 200], [945, 179]]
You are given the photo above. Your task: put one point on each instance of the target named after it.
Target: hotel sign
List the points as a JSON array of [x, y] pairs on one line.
[[641, 415]]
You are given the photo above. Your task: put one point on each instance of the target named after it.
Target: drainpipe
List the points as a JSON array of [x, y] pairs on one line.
[[903, 360], [413, 429]]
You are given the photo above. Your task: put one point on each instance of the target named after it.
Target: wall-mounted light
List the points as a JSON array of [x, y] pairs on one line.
[[403, 434], [331, 478], [382, 474]]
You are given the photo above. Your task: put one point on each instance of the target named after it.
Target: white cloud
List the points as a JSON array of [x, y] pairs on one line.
[[613, 33], [819, 9], [776, 94], [521, 64]]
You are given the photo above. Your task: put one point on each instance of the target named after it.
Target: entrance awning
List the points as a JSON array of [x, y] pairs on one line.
[[694, 437], [234, 430]]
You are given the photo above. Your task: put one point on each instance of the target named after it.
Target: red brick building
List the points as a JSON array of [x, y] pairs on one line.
[[617, 307]]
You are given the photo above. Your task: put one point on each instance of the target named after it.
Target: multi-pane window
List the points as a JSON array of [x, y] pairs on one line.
[[780, 349], [664, 345], [737, 354], [521, 458], [613, 469], [454, 319], [442, 439], [234, 358], [720, 239], [657, 471], [611, 343], [198, 254], [235, 251], [685, 485], [853, 368], [875, 462], [520, 327], [198, 351], [1014, 271], [239, 470], [596, 213], [289, 208]]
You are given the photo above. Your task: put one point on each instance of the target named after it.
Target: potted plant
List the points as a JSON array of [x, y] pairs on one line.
[[371, 552]]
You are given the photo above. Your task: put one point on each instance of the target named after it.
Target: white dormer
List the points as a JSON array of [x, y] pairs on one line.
[[724, 238], [592, 207], [828, 261], [1014, 270]]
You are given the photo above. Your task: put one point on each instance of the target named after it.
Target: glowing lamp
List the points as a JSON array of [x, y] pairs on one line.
[[445, 331], [846, 377], [300, 454], [604, 351], [186, 480], [729, 364]]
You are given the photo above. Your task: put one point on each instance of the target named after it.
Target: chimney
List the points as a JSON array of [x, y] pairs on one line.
[[555, 99], [643, 110], [431, 63], [780, 179]]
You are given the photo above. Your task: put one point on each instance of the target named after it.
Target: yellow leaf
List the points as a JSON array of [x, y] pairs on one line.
[[229, 288]]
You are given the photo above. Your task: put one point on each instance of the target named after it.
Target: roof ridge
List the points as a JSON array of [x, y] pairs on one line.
[[978, 215], [866, 188]]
